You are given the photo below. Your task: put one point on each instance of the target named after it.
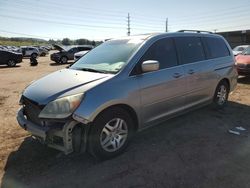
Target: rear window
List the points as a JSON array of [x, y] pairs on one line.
[[215, 47], [190, 49]]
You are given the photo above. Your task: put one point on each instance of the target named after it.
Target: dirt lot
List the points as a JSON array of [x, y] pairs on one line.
[[194, 150]]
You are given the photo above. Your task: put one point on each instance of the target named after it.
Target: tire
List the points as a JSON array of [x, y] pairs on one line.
[[110, 133], [63, 60], [34, 55], [43, 54], [221, 95], [11, 63]]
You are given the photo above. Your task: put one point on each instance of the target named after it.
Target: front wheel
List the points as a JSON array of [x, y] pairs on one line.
[[110, 133], [63, 60], [221, 95]]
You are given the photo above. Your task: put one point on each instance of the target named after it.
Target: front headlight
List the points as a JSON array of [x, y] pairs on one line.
[[62, 107]]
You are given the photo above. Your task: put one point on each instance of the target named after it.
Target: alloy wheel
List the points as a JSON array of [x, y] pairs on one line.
[[222, 95], [114, 135]]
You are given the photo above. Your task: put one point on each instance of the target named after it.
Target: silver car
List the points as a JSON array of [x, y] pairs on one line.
[[29, 51], [125, 85]]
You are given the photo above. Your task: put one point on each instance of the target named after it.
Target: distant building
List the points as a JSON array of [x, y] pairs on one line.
[[236, 38]]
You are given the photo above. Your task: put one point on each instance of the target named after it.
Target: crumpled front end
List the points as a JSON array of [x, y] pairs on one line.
[[59, 134]]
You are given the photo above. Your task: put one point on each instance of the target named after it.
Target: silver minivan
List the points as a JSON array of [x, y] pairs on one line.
[[125, 85]]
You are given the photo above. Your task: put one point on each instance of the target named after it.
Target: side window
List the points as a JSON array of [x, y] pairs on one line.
[[216, 47], [162, 51], [190, 49], [73, 50]]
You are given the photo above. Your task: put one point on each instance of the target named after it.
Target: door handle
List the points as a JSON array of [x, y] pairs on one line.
[[177, 75], [191, 71]]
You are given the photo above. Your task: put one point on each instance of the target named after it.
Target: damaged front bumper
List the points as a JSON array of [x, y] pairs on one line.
[[63, 138]]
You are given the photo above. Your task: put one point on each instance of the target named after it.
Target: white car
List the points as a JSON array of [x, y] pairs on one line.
[[78, 55], [29, 51], [239, 49]]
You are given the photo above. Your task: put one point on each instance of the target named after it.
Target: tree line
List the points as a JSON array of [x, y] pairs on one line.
[[18, 41]]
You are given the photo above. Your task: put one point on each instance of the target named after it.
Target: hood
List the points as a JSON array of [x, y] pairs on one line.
[[244, 59], [58, 47], [62, 83]]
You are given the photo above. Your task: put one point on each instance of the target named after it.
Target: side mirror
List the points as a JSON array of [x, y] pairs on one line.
[[150, 66]]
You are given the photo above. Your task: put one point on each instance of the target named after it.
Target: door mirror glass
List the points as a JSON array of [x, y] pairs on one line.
[[150, 66]]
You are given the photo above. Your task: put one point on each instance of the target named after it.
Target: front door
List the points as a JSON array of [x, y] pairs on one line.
[[163, 91]]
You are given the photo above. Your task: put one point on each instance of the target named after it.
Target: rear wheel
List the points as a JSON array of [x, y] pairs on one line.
[[11, 63], [110, 133], [221, 94]]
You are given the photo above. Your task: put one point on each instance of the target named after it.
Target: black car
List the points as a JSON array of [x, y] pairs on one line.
[[67, 54], [10, 58]]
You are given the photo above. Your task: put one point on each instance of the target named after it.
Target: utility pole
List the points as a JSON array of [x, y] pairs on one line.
[[167, 25], [128, 24]]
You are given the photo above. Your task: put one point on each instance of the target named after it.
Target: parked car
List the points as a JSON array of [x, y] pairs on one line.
[[243, 62], [239, 49], [78, 55], [43, 51], [10, 58], [67, 54], [47, 47], [2, 48], [125, 85], [29, 51], [16, 49]]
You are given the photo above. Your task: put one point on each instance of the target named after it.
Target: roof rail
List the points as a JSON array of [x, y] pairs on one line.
[[195, 31]]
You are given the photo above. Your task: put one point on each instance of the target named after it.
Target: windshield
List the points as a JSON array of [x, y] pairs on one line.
[[246, 51], [110, 56]]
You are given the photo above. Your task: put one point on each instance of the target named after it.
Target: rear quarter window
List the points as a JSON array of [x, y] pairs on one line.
[[190, 49], [215, 47]]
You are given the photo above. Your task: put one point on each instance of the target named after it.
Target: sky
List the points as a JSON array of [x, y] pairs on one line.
[[102, 19]]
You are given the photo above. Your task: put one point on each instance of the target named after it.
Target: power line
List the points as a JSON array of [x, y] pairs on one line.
[[22, 12], [218, 18], [58, 9], [218, 23], [109, 23], [228, 10], [56, 22], [110, 12]]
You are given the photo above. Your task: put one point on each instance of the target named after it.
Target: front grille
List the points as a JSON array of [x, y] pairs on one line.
[[32, 110]]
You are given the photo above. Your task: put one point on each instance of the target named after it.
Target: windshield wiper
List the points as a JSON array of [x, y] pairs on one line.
[[93, 70]]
